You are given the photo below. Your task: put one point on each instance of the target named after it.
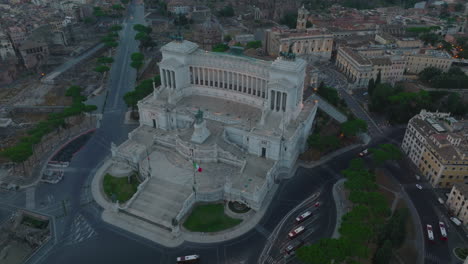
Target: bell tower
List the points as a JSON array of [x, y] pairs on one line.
[[302, 15]]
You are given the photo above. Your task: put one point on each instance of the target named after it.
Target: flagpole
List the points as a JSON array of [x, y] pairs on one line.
[[194, 170]]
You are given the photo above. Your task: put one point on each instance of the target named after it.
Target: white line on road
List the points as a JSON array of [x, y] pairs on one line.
[[30, 198]]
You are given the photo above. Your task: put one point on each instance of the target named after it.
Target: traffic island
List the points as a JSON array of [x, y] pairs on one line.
[[461, 253], [209, 218], [120, 188]]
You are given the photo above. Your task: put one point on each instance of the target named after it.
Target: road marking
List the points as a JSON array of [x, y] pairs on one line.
[[30, 198], [262, 231]]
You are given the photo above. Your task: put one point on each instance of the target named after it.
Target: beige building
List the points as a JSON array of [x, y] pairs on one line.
[[430, 58], [457, 202], [436, 144], [309, 41], [360, 67]]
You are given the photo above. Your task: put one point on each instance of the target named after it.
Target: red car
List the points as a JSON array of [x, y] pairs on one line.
[[317, 204]]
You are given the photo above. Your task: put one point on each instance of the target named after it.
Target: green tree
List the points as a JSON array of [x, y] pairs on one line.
[[142, 28], [118, 7], [227, 38], [290, 20], [221, 47], [181, 20], [429, 73], [385, 152], [111, 44], [131, 99], [309, 24], [114, 28], [137, 56], [371, 87], [105, 60], [378, 80], [125, 1], [329, 94], [383, 255], [430, 38], [254, 44], [227, 11], [98, 12], [101, 68], [351, 128], [136, 64]]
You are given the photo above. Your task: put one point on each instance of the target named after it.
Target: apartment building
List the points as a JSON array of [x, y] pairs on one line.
[[457, 202], [436, 144]]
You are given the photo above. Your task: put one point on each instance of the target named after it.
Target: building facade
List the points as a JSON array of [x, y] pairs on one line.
[[436, 144], [254, 119], [457, 202], [430, 58]]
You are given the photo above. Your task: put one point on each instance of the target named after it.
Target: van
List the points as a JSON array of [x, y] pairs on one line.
[[455, 220]]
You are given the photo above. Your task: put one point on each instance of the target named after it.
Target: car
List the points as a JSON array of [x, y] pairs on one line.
[[430, 233], [419, 186], [294, 233], [317, 204], [364, 153], [440, 200], [417, 177], [443, 231], [188, 259], [455, 220], [291, 248], [303, 216]]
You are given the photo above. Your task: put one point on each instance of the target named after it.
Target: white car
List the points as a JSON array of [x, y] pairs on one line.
[[430, 233], [294, 233], [419, 186]]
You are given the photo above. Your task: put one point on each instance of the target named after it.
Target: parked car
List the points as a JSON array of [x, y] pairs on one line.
[[303, 216], [455, 220], [441, 201], [419, 186]]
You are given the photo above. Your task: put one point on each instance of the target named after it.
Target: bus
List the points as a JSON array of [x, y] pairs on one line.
[[188, 259], [430, 233], [291, 248], [294, 233], [443, 231], [303, 216]]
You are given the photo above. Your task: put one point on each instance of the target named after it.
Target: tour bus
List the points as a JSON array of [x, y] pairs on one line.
[[303, 216], [296, 232], [188, 259], [430, 233], [291, 248], [443, 231]]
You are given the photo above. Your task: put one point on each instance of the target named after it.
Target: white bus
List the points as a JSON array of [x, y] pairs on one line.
[[303, 216], [296, 232], [188, 259]]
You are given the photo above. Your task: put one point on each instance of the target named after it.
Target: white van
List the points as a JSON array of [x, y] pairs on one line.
[[455, 220]]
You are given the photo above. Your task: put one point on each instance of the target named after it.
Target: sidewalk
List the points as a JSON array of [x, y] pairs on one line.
[[341, 205], [326, 158]]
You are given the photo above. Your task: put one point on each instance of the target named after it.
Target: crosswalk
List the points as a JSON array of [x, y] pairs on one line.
[[80, 231], [431, 259], [30, 198]]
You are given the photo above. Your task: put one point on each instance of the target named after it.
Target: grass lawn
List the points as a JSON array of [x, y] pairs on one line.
[[461, 252], [120, 187], [209, 218]]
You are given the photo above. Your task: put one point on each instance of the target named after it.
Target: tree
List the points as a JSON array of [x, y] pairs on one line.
[[227, 11], [131, 99], [125, 1], [111, 44], [430, 38], [385, 152], [383, 254], [351, 128], [429, 73], [118, 7], [142, 28], [221, 47], [227, 38], [101, 68], [371, 87], [329, 94], [136, 64], [309, 24], [459, 7], [137, 56], [290, 20], [115, 28], [379, 78], [254, 44], [181, 20], [97, 12], [105, 60]]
